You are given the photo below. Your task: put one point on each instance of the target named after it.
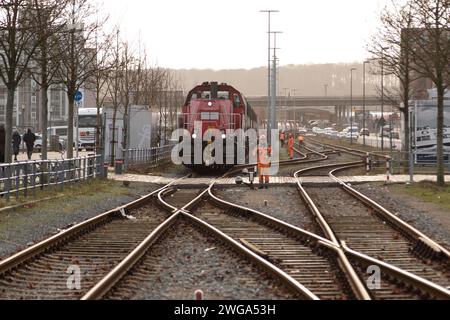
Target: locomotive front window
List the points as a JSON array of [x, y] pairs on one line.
[[206, 95], [223, 95]]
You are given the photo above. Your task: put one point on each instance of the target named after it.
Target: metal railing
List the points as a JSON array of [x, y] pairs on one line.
[[28, 176], [151, 156]]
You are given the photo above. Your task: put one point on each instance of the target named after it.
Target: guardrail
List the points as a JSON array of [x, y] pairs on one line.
[[152, 156], [28, 176]]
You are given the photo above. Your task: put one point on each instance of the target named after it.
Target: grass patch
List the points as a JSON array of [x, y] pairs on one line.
[[71, 191], [429, 192]]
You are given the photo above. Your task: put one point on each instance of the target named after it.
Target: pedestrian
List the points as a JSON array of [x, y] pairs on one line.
[[29, 138], [301, 139], [291, 146], [264, 152], [17, 140], [282, 138]]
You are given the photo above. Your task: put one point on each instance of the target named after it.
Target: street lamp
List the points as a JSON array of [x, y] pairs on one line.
[[351, 104], [286, 106], [382, 120], [364, 100], [294, 92]]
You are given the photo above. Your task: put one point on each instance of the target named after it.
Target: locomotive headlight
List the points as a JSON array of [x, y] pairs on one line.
[[194, 136], [210, 104], [224, 136]]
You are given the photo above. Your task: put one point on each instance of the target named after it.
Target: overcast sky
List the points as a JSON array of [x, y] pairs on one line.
[[233, 34]]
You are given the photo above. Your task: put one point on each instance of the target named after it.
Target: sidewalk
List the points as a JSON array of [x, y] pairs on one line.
[[51, 155], [274, 180]]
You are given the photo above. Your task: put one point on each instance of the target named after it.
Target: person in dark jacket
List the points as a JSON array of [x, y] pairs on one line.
[[29, 138], [17, 140]]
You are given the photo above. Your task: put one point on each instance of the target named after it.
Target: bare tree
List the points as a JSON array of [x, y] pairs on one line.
[[431, 58], [99, 80], [47, 14], [392, 47], [17, 46], [78, 57]]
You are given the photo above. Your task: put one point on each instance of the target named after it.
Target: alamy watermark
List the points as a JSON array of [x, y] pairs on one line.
[[374, 280], [74, 280]]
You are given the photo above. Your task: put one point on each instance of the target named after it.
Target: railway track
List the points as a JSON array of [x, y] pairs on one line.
[[117, 282], [67, 265], [413, 266]]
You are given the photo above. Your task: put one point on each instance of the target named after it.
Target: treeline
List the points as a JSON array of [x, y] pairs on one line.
[[66, 43]]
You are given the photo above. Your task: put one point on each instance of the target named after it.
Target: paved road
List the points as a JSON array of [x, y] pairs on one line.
[[51, 155], [375, 142]]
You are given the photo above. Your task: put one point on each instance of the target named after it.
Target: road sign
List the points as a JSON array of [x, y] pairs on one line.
[[78, 96]]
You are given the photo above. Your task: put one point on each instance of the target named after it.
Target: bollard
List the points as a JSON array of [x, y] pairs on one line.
[[388, 169], [199, 296], [105, 170], [118, 167], [368, 163]]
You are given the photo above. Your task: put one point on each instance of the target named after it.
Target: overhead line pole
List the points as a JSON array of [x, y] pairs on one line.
[[269, 120]]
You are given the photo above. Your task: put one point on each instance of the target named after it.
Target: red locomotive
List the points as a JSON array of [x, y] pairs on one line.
[[219, 107]]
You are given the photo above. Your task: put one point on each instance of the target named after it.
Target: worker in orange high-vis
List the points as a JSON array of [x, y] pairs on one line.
[[301, 139], [282, 138], [264, 152], [291, 143]]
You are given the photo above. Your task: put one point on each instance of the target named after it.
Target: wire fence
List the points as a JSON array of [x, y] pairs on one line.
[[25, 178], [152, 156]]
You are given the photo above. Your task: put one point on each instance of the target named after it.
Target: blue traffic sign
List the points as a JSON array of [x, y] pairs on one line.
[[78, 96]]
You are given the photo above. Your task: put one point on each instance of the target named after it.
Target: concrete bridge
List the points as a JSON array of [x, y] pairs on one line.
[[296, 102], [334, 109]]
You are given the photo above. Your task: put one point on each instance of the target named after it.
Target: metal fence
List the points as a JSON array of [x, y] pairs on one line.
[[151, 156], [26, 177]]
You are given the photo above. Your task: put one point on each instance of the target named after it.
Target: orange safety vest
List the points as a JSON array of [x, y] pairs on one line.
[[263, 156], [291, 143]]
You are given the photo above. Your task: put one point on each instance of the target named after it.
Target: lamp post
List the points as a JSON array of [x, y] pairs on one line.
[[285, 106], [351, 104], [294, 91], [364, 101], [23, 118], [269, 99], [382, 97]]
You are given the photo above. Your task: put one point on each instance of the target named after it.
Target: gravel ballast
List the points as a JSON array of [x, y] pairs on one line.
[[426, 217], [185, 261], [283, 203], [23, 227]]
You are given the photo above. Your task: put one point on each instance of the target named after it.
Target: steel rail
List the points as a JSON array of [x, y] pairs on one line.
[[355, 282], [432, 245], [108, 282], [261, 262], [21, 257], [418, 282]]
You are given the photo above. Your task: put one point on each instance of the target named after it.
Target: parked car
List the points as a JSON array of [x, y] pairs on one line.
[[364, 132], [387, 134], [38, 143]]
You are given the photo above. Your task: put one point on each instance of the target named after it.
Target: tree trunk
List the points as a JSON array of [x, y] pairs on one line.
[[440, 137], [9, 124], [98, 132], [70, 136], [113, 140], [44, 119]]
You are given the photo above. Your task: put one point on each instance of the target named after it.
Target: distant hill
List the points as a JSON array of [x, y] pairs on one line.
[[308, 80]]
